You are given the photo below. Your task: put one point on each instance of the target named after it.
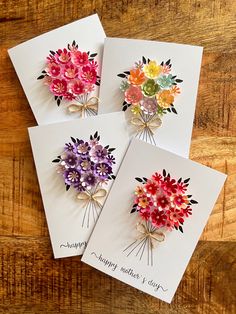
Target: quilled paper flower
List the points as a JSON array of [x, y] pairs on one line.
[[86, 166], [149, 90], [71, 75], [162, 205]]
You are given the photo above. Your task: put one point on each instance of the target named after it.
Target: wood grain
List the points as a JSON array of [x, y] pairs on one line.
[[31, 281]]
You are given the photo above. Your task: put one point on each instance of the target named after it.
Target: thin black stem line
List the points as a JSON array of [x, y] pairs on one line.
[[140, 242], [141, 246], [143, 250]]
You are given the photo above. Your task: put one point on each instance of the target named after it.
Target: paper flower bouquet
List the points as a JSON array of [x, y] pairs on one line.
[[71, 75], [162, 205], [86, 166], [149, 89]]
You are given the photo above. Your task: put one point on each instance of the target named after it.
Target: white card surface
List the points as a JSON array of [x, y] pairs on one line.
[[116, 226], [64, 212], [121, 54], [29, 60]]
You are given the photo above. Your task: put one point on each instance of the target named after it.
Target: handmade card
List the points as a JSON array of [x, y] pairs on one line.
[[60, 70], [155, 83], [152, 219], [76, 163]]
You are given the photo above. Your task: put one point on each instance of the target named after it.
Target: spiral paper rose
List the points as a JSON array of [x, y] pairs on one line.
[[71, 75], [150, 89]]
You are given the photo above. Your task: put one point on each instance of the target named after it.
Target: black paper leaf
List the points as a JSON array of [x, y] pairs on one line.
[[122, 75], [186, 180], [173, 110], [56, 160]]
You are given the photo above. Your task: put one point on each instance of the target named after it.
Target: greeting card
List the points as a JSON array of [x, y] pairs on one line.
[[155, 83], [76, 163], [152, 219], [60, 70]]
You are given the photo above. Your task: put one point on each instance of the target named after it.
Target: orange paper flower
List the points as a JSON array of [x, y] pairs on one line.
[[136, 77], [165, 99]]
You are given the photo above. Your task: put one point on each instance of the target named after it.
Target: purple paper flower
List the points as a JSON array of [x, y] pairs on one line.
[[71, 176], [103, 169], [69, 147], [98, 153], [149, 105], [89, 180], [111, 159], [79, 186], [82, 148], [86, 164], [71, 160]]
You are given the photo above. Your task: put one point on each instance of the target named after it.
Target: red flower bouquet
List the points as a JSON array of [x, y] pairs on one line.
[[162, 205]]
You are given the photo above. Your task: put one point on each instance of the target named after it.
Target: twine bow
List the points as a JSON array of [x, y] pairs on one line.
[[88, 196], [90, 104], [153, 235], [150, 125]]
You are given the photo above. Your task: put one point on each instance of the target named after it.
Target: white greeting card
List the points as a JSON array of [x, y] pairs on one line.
[[76, 162], [67, 62], [152, 219], [156, 84]]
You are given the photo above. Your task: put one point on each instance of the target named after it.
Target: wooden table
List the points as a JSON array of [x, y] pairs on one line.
[[31, 281]]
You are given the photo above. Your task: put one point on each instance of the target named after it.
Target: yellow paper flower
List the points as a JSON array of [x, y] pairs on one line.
[[165, 99], [135, 109], [152, 69]]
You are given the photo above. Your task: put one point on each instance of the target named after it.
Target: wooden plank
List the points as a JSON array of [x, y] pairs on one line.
[[32, 282]]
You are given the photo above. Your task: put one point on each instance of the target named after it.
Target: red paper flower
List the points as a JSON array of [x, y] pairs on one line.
[[79, 58], [88, 75], [58, 87], [158, 218], [163, 202], [151, 187]]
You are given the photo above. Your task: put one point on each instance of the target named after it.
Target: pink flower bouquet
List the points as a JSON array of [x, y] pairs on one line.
[[71, 75]]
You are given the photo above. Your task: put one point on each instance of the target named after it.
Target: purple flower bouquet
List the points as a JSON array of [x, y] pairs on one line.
[[87, 167]]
